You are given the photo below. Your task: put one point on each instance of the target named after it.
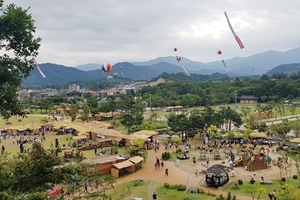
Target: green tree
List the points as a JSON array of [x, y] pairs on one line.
[[292, 108], [256, 190], [153, 116], [16, 39], [74, 111], [128, 121], [85, 112], [245, 112], [179, 123]]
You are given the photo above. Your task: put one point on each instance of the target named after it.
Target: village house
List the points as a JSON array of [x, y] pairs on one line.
[[248, 99]]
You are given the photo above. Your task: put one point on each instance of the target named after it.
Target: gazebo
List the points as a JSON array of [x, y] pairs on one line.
[[217, 175]]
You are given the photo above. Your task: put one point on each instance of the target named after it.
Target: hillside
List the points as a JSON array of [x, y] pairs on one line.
[[287, 69]]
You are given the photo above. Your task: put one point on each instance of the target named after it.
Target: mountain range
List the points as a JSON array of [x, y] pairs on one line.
[[257, 64]]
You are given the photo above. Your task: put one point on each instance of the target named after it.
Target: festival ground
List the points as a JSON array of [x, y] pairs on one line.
[[179, 175]]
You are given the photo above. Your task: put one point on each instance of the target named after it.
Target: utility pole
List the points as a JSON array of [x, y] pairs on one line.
[[150, 103], [235, 100]]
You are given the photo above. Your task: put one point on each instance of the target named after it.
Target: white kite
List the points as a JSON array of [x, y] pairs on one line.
[[225, 66], [233, 32], [38, 67]]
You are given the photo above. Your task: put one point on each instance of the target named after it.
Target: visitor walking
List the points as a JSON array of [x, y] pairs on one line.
[[154, 196], [254, 173], [85, 187], [166, 172], [274, 194]]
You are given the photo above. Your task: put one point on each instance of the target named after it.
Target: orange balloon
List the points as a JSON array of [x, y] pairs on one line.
[[219, 52]]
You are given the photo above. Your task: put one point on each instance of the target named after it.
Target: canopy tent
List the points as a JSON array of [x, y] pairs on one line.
[[258, 135], [124, 164], [80, 137], [295, 140], [146, 132], [136, 159], [22, 127]]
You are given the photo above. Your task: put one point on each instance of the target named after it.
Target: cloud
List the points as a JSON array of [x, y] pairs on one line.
[[77, 32]]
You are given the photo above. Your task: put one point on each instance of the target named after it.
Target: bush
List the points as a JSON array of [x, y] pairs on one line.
[[166, 156], [295, 176], [283, 179], [240, 182]]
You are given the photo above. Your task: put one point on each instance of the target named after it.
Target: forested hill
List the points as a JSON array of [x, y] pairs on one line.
[[182, 77], [287, 69]]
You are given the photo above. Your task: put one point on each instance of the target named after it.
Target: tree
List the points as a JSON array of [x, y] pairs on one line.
[[245, 112], [74, 111], [85, 112], [128, 121], [292, 107], [285, 190], [16, 39], [256, 190], [153, 116], [178, 123]]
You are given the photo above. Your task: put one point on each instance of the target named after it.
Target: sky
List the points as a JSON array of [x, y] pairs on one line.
[[76, 32]]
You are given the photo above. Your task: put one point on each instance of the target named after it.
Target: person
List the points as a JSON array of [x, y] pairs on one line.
[[196, 173], [231, 163], [246, 167], [95, 150], [162, 164], [207, 161], [270, 196], [274, 194], [85, 187], [254, 173], [154, 196], [166, 172]]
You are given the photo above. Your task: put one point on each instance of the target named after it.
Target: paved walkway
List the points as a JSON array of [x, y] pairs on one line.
[[176, 176]]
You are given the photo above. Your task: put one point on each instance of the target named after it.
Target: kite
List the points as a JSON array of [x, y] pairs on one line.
[[116, 74], [109, 77], [121, 71], [219, 52], [106, 67], [38, 67], [225, 66], [185, 70], [233, 32]]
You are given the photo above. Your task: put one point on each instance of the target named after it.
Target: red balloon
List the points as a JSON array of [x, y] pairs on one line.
[[219, 52]]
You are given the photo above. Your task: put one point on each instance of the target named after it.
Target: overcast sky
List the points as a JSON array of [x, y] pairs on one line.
[[76, 32]]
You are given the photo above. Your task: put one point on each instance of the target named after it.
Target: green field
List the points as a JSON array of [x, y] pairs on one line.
[[140, 189], [26, 120], [244, 189]]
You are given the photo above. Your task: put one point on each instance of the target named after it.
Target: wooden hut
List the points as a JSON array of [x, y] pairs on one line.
[[121, 168], [137, 161], [217, 175], [100, 164]]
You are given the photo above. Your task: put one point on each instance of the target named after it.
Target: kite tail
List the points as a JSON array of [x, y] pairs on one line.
[[225, 66], [233, 32], [185, 70], [122, 74], [39, 69]]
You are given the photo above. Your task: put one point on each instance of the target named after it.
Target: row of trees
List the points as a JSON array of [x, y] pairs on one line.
[[199, 120], [204, 93]]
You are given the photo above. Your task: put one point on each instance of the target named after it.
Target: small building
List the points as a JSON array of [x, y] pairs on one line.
[[217, 175], [100, 164], [137, 161], [122, 168], [173, 108], [248, 99], [73, 94]]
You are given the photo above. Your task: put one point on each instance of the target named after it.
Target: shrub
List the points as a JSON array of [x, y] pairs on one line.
[[166, 156], [240, 182], [295, 176]]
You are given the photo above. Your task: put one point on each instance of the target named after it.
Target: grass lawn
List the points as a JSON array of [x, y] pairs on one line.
[[140, 189], [244, 189], [25, 120]]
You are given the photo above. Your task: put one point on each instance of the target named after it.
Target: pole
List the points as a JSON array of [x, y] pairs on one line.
[[150, 103]]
